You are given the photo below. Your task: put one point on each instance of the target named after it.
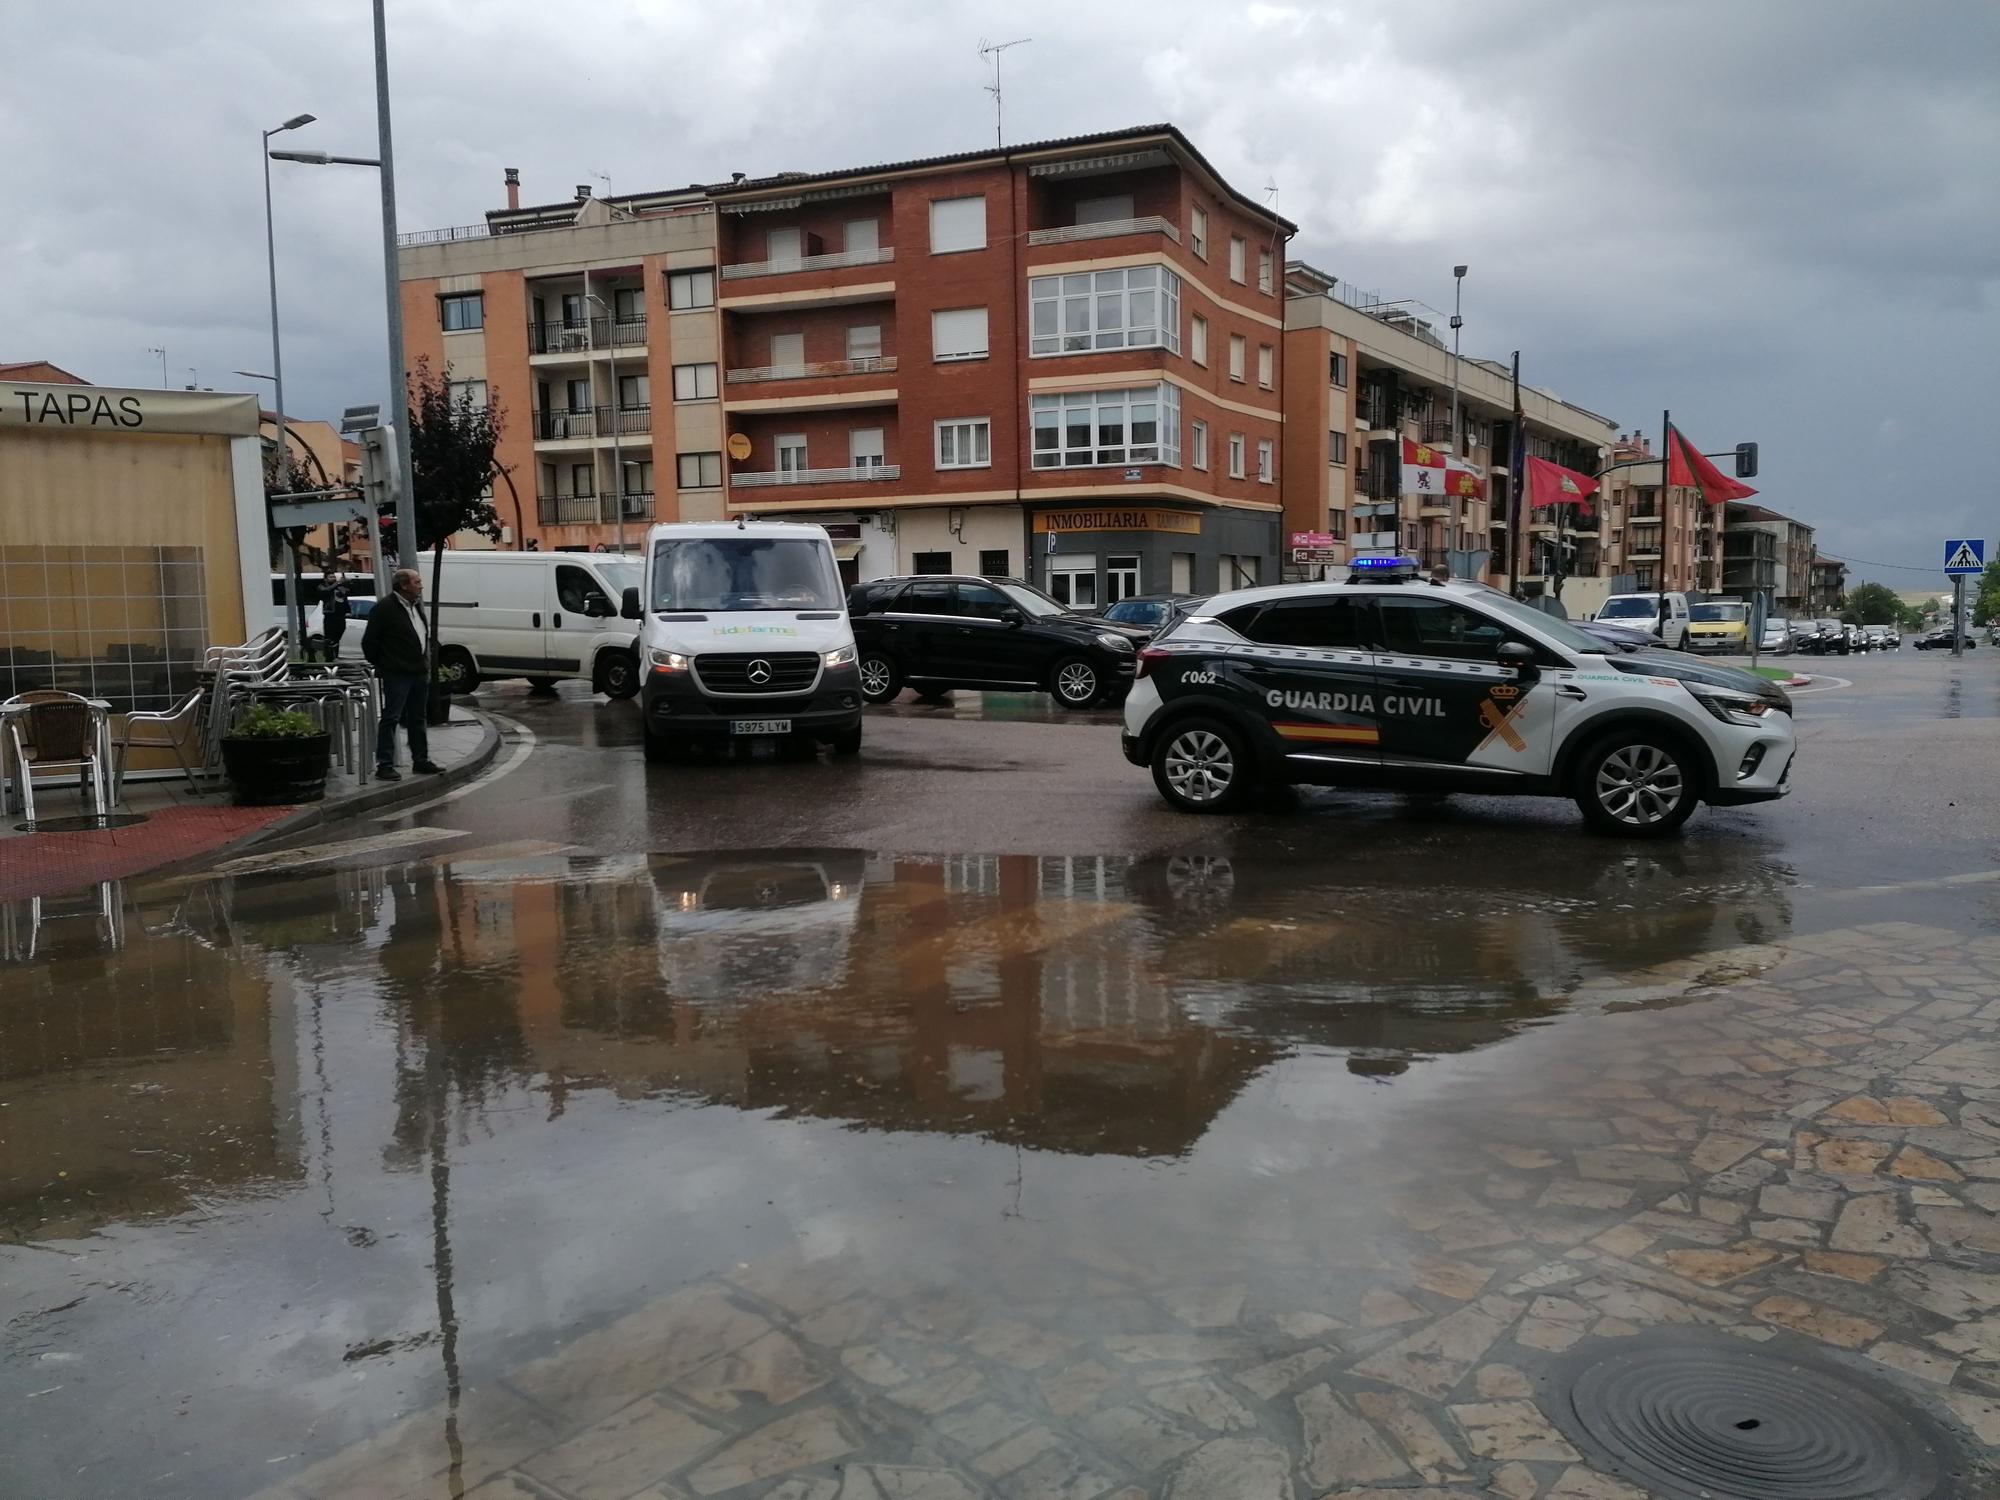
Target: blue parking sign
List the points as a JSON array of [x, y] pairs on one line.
[[1963, 555]]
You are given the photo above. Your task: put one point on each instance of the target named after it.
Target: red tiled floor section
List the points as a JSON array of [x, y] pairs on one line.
[[41, 864]]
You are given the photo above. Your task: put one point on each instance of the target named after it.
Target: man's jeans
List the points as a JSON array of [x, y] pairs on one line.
[[404, 700]]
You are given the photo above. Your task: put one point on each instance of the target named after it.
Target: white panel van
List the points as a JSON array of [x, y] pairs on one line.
[[544, 616]]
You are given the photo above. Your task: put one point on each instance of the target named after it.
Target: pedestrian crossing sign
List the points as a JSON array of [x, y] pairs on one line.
[[1964, 555]]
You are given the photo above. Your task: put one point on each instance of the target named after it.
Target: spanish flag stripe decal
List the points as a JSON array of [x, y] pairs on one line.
[[1346, 734]]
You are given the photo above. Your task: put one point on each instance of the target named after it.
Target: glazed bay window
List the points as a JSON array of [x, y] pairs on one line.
[[1092, 429], [965, 444], [1136, 307]]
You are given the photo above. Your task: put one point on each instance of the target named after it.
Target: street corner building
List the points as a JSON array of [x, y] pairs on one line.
[[132, 537], [1060, 361]]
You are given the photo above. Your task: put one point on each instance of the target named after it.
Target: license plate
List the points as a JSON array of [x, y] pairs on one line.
[[760, 726]]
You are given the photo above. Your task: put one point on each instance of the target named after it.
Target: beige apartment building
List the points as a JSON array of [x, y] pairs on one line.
[[1361, 375], [1663, 540]]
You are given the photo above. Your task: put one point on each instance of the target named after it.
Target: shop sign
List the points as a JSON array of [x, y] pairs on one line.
[[1121, 518]]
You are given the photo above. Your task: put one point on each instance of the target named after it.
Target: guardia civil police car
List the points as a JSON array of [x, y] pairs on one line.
[[1394, 681]]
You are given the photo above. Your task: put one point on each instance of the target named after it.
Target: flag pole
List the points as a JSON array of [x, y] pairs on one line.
[[1517, 461], [1666, 531]]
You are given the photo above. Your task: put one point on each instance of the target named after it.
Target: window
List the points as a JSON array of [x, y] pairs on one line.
[[965, 444], [1336, 370], [864, 340], [638, 476], [1198, 442], [1336, 447], [574, 310], [1315, 624], [549, 485], [1336, 525], [574, 587], [788, 351], [466, 392], [1198, 339], [861, 235], [1235, 455], [1180, 572], [1121, 576], [1198, 231], [699, 471], [462, 313], [1073, 581], [627, 305], [957, 224], [791, 450], [1417, 626], [1080, 429], [1236, 572], [783, 246], [864, 448], [579, 395], [690, 289], [694, 382], [959, 333], [1266, 359], [982, 602], [1264, 460], [583, 479], [1237, 349], [1103, 210], [1138, 307], [635, 392], [1236, 249], [939, 595], [1264, 272], [994, 563]]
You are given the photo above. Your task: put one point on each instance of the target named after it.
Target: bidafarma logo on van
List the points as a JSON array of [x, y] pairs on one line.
[[755, 630]]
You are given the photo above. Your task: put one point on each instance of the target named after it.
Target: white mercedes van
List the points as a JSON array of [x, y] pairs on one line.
[[744, 636], [544, 616]]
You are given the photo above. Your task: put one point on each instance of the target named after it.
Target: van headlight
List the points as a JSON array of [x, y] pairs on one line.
[[1731, 707], [1111, 641], [842, 656], [667, 661]]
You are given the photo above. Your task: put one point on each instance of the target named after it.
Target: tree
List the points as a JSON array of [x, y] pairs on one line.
[[1874, 604], [1986, 602], [452, 439]]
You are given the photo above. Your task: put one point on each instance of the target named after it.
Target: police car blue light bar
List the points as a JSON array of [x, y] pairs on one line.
[[1382, 567]]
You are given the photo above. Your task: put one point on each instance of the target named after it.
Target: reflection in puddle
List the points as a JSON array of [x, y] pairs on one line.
[[444, 1114]]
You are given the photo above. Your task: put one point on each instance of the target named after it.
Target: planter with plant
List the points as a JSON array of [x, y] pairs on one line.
[[276, 756]]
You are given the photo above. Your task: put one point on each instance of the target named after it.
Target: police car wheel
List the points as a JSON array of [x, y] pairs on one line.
[[1637, 786], [880, 681], [1076, 683], [1200, 766]]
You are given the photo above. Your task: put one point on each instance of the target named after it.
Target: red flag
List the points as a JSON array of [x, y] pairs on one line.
[[1686, 466], [1552, 484]]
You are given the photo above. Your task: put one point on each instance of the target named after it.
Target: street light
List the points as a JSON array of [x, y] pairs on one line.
[[1457, 322], [294, 622]]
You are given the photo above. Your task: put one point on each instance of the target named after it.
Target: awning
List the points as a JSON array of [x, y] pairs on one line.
[[846, 551]]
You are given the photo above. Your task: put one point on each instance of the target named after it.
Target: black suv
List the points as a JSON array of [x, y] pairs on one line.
[[933, 633]]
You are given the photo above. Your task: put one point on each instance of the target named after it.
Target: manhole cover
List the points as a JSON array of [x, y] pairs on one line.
[[81, 823], [1697, 1416]]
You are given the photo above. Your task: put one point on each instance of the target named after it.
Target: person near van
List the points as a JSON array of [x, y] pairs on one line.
[[333, 614], [394, 641]]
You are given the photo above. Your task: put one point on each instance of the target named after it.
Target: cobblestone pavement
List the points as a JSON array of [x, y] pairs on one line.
[[1798, 1145]]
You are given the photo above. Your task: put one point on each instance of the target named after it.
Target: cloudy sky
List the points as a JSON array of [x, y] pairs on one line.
[[1777, 218]]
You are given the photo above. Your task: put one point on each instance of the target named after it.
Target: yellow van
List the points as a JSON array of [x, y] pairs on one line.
[[1721, 626]]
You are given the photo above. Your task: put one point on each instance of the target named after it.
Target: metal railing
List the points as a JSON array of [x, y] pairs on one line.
[[593, 422], [638, 505], [829, 262], [1437, 429], [447, 236], [583, 338], [568, 510], [860, 473], [1104, 229], [878, 364], [633, 419]]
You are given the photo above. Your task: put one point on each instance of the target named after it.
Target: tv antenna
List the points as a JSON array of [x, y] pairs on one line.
[[993, 50]]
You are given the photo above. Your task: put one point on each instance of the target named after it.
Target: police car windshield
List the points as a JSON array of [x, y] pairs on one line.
[[1033, 601], [1561, 632], [744, 573]]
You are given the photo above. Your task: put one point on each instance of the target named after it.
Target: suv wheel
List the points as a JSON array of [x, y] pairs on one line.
[[1201, 766], [880, 681], [1637, 785], [1076, 683]]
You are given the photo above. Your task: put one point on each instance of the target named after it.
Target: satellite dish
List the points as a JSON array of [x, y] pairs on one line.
[[739, 446]]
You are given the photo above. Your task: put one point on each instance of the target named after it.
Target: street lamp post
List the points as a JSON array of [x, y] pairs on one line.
[[1457, 322], [294, 619], [617, 422]]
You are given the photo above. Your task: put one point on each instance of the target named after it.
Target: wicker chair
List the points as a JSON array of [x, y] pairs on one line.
[[62, 730]]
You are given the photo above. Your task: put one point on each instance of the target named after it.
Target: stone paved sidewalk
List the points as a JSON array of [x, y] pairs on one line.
[[1801, 1148]]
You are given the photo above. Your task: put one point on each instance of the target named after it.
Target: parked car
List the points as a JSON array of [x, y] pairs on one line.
[[1877, 637], [1151, 612], [1719, 627], [1621, 637], [1856, 641], [357, 620], [545, 616], [1895, 638], [1777, 638], [1940, 639], [1644, 610], [938, 631], [1830, 638]]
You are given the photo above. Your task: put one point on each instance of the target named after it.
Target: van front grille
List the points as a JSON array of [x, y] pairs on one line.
[[757, 673]]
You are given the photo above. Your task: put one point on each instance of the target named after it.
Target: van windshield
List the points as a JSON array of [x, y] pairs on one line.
[[1630, 607], [730, 573], [1719, 614], [621, 575]]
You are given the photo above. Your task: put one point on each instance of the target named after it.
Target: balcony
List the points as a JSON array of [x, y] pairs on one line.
[[593, 422], [856, 474], [744, 270], [1437, 430], [880, 364], [1104, 229], [593, 510], [595, 335]]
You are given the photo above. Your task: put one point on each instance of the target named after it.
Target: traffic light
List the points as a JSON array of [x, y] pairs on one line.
[[1746, 460], [386, 530]]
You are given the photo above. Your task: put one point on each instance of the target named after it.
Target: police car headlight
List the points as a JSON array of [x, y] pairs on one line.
[[1730, 707], [1111, 642], [842, 657], [667, 661]]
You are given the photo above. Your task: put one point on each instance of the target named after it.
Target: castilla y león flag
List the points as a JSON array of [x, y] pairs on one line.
[[1686, 465], [1464, 480], [1552, 484], [1423, 469]]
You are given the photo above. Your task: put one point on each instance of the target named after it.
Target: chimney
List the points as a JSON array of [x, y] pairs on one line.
[[737, 176], [582, 191], [513, 187]]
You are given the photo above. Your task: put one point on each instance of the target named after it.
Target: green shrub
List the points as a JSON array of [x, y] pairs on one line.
[[264, 722]]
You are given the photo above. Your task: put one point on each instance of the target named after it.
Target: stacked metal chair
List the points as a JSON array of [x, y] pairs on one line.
[[343, 698]]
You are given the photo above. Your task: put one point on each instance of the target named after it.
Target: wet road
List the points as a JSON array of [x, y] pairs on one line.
[[755, 1109]]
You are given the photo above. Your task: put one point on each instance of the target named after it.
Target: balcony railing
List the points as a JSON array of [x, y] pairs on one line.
[[593, 510], [878, 364], [634, 419], [593, 422], [589, 335], [792, 264], [1104, 229], [1437, 430], [856, 474]]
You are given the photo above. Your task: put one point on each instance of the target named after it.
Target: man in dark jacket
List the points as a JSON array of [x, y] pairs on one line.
[[394, 643], [333, 614]]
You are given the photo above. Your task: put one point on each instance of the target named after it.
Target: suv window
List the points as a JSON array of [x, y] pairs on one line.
[[1316, 624], [983, 602], [927, 599], [1415, 626]]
